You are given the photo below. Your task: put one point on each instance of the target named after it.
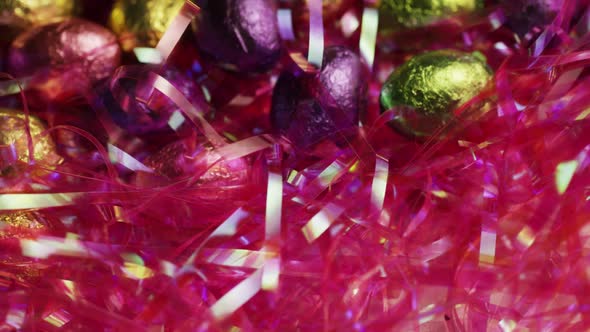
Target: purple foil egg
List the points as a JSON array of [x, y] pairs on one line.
[[241, 35], [308, 109], [524, 15], [137, 116], [9, 33], [341, 87]]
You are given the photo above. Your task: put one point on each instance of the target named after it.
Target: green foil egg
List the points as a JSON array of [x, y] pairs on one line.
[[419, 13], [425, 90]]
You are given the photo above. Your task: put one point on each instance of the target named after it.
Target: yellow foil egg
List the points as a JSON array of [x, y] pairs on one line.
[[425, 90], [19, 224], [418, 13], [141, 23], [13, 136], [36, 11]]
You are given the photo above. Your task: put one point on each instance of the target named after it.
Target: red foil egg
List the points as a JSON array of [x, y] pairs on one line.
[[64, 58]]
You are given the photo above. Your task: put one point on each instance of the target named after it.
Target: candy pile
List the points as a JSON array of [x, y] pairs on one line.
[[294, 165]]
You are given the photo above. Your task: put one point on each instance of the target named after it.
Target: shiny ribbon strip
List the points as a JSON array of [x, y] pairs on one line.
[[226, 228], [237, 257], [321, 221], [14, 86], [368, 38], [47, 246], [121, 157], [243, 148], [379, 185], [315, 54], [237, 296], [274, 202], [37, 201], [327, 177], [189, 110], [285, 20], [302, 63], [177, 27], [272, 227]]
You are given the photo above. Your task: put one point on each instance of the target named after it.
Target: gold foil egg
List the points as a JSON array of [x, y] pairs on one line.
[[13, 137], [141, 23], [19, 224], [419, 13], [36, 11], [425, 90]]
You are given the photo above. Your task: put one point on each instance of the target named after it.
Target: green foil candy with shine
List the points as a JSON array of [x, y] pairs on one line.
[[425, 90], [419, 13]]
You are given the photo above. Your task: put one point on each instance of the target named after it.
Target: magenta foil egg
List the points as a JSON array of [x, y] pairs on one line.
[[64, 58]]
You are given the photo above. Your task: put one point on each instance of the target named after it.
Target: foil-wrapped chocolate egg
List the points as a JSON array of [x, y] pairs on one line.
[[308, 109], [65, 57], [13, 136], [523, 15], [240, 35], [419, 13], [425, 90], [36, 11], [20, 224], [143, 114], [341, 87], [142, 23], [185, 158], [188, 158], [9, 33]]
